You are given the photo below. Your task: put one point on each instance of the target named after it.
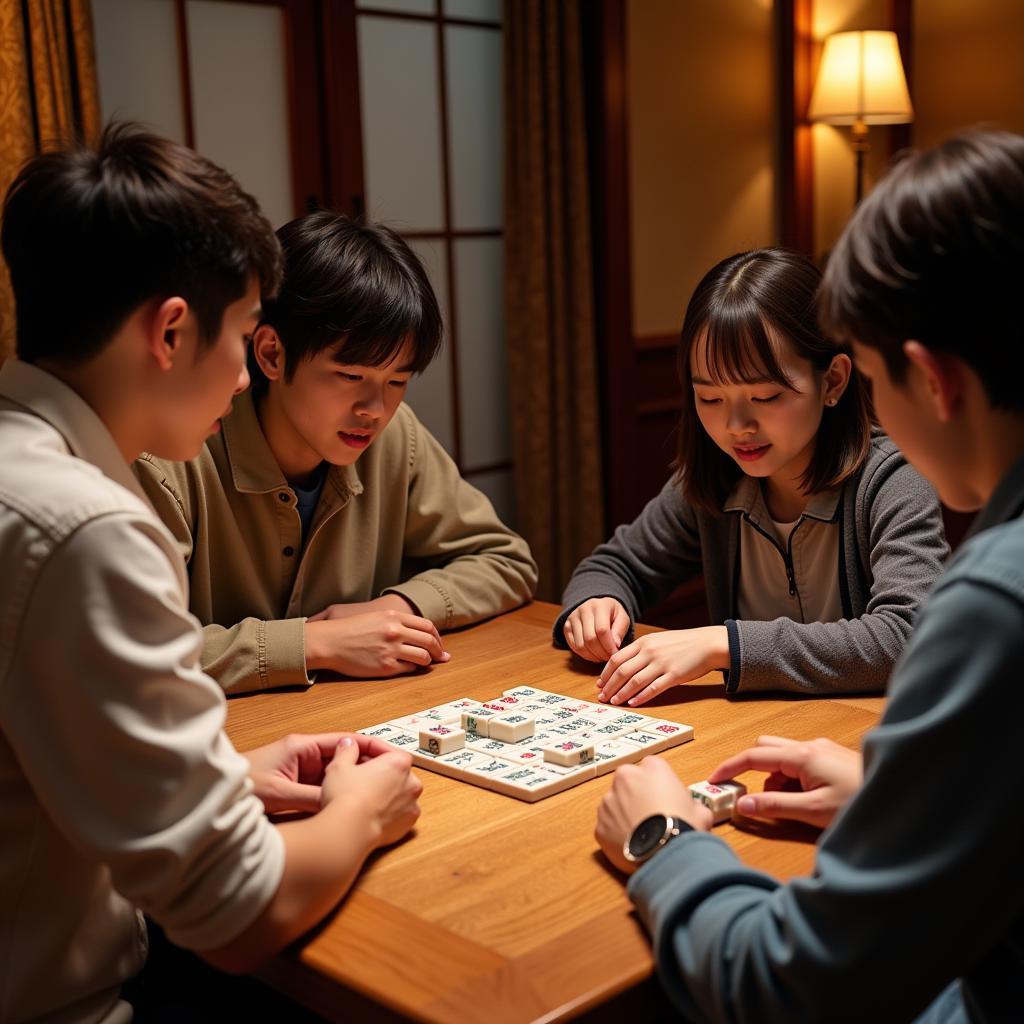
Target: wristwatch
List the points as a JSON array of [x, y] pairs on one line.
[[651, 835]]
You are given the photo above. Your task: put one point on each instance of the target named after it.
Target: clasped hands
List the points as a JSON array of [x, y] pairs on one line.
[[372, 639]]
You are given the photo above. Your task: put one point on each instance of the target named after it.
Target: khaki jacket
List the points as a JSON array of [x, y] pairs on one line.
[[401, 520]]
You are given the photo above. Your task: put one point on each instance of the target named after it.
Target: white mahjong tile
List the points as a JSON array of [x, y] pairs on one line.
[[442, 739], [530, 692], [609, 730], [458, 762], [569, 751], [600, 714], [610, 754], [534, 784], [719, 797], [631, 719], [674, 732], [476, 719], [644, 741], [460, 705], [551, 699], [525, 755], [510, 701], [572, 726], [578, 707], [489, 746], [512, 727], [575, 773], [561, 713], [393, 735], [420, 720], [487, 768]]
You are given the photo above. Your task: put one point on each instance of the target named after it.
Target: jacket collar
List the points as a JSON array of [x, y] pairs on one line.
[[254, 470], [1006, 503], [85, 434], [747, 498]]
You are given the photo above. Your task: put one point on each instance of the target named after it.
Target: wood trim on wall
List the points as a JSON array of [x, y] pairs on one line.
[[901, 18], [794, 80], [343, 122]]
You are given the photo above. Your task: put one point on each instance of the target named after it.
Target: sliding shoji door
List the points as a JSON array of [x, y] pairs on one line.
[[391, 106]]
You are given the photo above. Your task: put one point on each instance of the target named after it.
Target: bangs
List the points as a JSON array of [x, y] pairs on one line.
[[736, 349]]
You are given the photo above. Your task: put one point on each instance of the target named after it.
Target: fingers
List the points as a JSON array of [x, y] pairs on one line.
[[346, 753], [649, 692], [783, 760], [293, 796], [319, 617], [806, 807], [643, 675], [426, 640], [575, 637]]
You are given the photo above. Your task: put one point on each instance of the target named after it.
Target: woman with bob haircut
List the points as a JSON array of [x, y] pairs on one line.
[[816, 539]]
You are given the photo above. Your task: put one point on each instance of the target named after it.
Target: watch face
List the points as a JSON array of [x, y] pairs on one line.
[[647, 835]]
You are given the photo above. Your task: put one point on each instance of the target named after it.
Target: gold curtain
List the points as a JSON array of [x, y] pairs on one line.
[[48, 93], [549, 306]]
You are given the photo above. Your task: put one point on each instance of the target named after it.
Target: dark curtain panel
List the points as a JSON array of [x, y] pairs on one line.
[[549, 306], [48, 93]]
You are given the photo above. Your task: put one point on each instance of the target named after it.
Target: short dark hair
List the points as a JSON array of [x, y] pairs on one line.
[[354, 285], [935, 254], [737, 306], [89, 234]]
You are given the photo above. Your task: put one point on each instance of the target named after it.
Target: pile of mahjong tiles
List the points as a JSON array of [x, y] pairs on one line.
[[528, 743]]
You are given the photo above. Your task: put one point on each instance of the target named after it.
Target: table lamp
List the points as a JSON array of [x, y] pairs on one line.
[[860, 83]]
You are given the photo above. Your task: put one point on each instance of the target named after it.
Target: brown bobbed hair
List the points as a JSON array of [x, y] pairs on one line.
[[739, 306]]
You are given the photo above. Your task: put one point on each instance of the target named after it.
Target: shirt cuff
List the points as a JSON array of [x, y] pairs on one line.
[[283, 654], [432, 602], [732, 676]]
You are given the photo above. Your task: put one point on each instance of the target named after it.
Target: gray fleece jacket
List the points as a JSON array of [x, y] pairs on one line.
[[891, 551]]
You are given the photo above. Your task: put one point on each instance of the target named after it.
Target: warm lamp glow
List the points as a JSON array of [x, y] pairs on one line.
[[861, 82], [861, 79]]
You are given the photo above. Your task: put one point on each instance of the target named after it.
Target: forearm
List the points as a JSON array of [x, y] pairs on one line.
[[323, 856], [849, 656]]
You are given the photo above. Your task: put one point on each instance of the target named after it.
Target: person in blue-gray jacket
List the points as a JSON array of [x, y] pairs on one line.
[[915, 908]]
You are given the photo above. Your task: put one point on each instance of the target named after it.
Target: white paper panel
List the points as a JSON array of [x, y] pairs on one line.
[[398, 83], [240, 97], [430, 394], [481, 10], [137, 63], [475, 118], [500, 488], [479, 301], [407, 6]]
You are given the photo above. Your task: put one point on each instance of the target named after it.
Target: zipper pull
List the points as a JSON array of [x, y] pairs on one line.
[[792, 581]]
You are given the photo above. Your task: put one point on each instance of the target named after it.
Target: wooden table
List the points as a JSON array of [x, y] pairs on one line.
[[497, 910]]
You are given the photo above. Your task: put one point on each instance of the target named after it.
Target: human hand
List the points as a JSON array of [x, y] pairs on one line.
[[383, 786], [657, 661], [638, 791], [372, 644], [595, 628], [287, 774], [807, 781]]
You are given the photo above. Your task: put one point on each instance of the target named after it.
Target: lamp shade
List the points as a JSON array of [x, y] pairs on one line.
[[861, 79]]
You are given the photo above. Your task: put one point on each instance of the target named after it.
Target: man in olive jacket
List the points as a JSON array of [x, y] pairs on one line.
[[323, 526]]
